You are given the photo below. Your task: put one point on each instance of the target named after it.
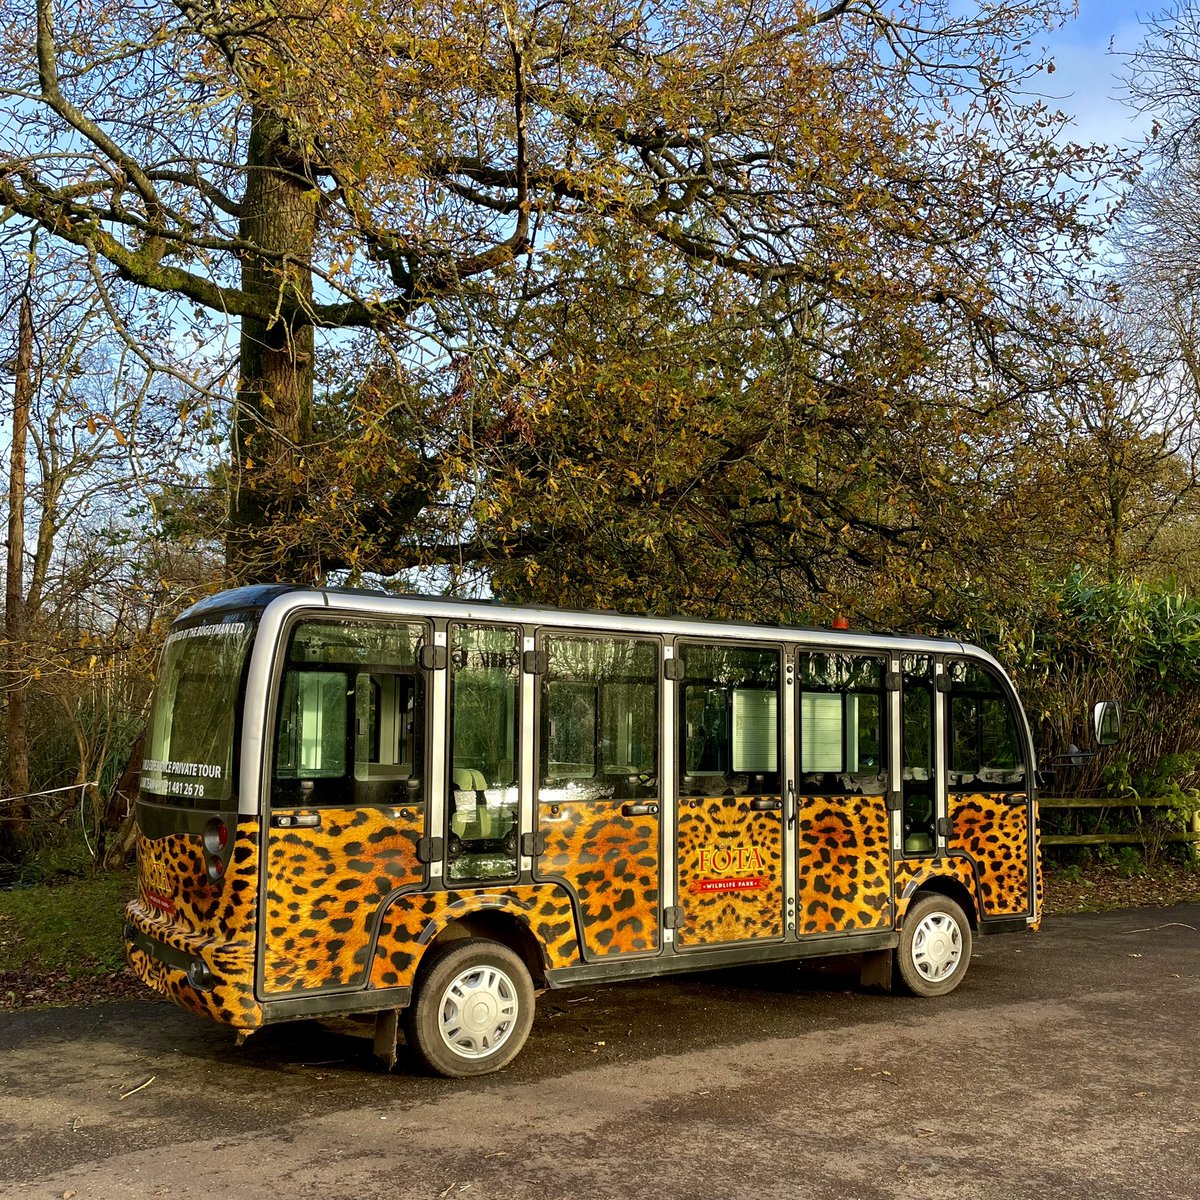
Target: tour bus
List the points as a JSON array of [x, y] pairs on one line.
[[425, 810]]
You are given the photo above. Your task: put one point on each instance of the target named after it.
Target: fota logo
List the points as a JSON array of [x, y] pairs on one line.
[[154, 876], [730, 869], [730, 860]]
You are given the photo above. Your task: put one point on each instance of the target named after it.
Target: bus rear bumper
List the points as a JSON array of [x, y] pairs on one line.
[[198, 973], [204, 975]]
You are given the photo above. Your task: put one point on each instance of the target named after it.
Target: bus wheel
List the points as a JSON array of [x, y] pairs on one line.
[[473, 1009], [935, 946]]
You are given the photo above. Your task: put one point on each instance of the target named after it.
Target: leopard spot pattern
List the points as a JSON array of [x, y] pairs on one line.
[[911, 874], [712, 830], [212, 922], [545, 908], [994, 831], [844, 864], [611, 863], [325, 887]]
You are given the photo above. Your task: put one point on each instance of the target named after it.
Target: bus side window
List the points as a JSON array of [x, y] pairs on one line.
[[917, 787], [984, 747], [311, 741], [841, 724], [387, 765], [349, 725], [485, 679], [729, 731], [599, 718]]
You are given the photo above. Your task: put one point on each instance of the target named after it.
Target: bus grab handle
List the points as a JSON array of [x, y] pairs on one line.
[[302, 820]]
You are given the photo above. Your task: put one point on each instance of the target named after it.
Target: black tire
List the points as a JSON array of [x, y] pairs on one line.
[[452, 1039], [935, 946]]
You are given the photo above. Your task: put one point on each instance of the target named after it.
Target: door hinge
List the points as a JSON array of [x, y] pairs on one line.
[[945, 827], [895, 802], [536, 662], [533, 844], [430, 849], [672, 917], [673, 668], [433, 658]]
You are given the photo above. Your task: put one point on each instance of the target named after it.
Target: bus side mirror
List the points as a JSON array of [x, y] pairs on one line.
[[1106, 723]]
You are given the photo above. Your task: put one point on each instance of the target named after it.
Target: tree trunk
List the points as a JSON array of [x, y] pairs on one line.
[[273, 423], [14, 816]]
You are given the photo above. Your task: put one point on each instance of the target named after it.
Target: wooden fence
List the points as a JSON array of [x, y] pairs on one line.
[[1191, 834]]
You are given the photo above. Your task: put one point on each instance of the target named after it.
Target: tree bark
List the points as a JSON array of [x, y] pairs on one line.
[[14, 816], [273, 423]]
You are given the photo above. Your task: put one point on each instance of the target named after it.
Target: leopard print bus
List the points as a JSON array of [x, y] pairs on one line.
[[994, 831], [844, 864], [324, 889], [611, 862], [178, 906], [909, 875], [410, 923], [730, 871]]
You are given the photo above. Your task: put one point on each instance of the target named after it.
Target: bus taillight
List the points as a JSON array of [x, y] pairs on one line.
[[216, 838]]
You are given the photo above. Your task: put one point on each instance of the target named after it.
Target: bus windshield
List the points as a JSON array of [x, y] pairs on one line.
[[189, 752]]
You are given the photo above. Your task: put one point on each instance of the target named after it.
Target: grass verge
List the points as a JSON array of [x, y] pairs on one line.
[[61, 944]]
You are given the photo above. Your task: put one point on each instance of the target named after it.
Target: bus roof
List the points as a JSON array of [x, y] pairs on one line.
[[379, 603]]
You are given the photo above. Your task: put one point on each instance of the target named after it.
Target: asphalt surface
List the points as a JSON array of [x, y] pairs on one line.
[[1066, 1065]]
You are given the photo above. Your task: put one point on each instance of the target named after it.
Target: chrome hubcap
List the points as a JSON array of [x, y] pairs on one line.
[[478, 1012], [937, 947]]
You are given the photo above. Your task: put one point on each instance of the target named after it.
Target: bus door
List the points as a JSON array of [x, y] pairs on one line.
[[920, 802], [989, 804], [729, 814], [843, 828], [346, 802], [482, 818], [598, 800]]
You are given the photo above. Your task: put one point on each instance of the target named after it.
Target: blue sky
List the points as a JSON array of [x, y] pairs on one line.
[[1087, 57]]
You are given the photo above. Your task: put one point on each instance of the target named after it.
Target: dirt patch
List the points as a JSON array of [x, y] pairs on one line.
[[49, 989], [1108, 887]]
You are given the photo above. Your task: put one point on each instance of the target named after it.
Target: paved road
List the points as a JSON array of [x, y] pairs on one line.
[[1065, 1066]]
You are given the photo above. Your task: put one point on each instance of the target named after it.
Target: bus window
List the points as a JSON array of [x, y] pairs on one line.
[[349, 726], [730, 728], [918, 790], [312, 725], [191, 742], [841, 724], [984, 749], [482, 819], [599, 717]]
